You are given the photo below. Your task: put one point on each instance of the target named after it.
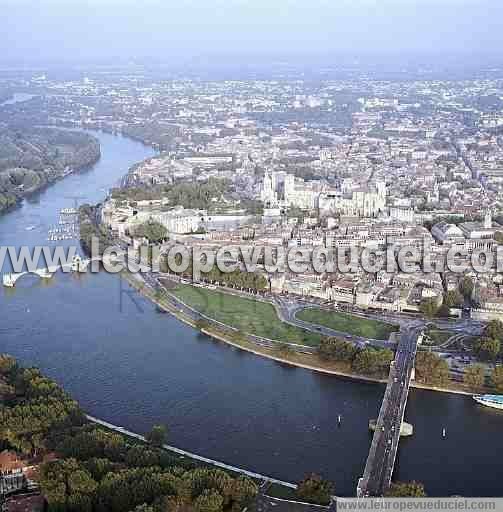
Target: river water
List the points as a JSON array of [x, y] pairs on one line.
[[17, 97], [130, 365]]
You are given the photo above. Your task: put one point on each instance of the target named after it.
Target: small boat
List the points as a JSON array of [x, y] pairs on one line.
[[444, 433], [494, 401], [31, 228]]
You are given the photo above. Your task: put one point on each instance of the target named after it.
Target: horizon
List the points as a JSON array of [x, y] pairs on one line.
[[86, 32]]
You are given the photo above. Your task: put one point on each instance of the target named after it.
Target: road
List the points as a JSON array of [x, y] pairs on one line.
[[288, 309], [382, 455]]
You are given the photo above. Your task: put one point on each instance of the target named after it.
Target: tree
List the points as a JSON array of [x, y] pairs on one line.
[[487, 348], [153, 231], [67, 485], [429, 308], [8, 365], [202, 324], [284, 349], [431, 369], [157, 436], [314, 489], [209, 501], [371, 361], [39, 408], [498, 236], [466, 287], [494, 330], [332, 349], [497, 379], [474, 376], [99, 470], [406, 490], [453, 298]]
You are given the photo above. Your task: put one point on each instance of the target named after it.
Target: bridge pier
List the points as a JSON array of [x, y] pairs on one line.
[[77, 265], [8, 280], [406, 429], [44, 273]]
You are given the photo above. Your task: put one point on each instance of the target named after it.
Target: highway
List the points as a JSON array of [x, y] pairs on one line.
[[382, 455]]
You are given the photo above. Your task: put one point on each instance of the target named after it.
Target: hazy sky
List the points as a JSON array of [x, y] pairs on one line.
[[75, 30]]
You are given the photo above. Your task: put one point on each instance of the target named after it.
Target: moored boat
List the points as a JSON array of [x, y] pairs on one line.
[[494, 401]]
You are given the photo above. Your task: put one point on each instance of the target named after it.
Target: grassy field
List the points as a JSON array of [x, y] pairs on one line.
[[247, 315], [350, 324], [439, 336]]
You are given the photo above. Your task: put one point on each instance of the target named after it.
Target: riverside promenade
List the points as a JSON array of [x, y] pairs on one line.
[[194, 456]]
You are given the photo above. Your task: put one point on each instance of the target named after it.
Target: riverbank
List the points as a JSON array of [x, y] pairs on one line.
[[63, 153], [305, 361], [137, 366], [193, 456], [118, 470]]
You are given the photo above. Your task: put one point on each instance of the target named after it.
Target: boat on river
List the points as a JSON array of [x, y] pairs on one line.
[[494, 401]]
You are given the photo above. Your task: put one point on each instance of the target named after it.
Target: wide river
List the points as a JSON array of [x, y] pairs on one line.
[[130, 365]]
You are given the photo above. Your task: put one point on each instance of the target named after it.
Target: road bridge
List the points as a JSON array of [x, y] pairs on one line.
[[376, 478]]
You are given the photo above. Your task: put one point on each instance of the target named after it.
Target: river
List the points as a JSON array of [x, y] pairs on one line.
[[17, 97], [130, 365]]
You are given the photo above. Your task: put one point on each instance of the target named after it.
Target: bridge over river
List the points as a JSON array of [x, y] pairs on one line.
[[77, 265], [376, 478]]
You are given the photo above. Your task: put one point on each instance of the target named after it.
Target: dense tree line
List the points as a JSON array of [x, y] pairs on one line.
[[487, 349], [431, 369], [102, 471], [153, 231], [238, 279], [497, 379], [406, 490], [366, 361], [452, 299], [32, 407], [201, 196], [250, 281], [162, 136], [490, 346], [313, 489], [31, 158], [474, 376]]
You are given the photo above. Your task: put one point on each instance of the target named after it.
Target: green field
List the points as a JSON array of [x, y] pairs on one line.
[[349, 324], [247, 315], [439, 336]]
